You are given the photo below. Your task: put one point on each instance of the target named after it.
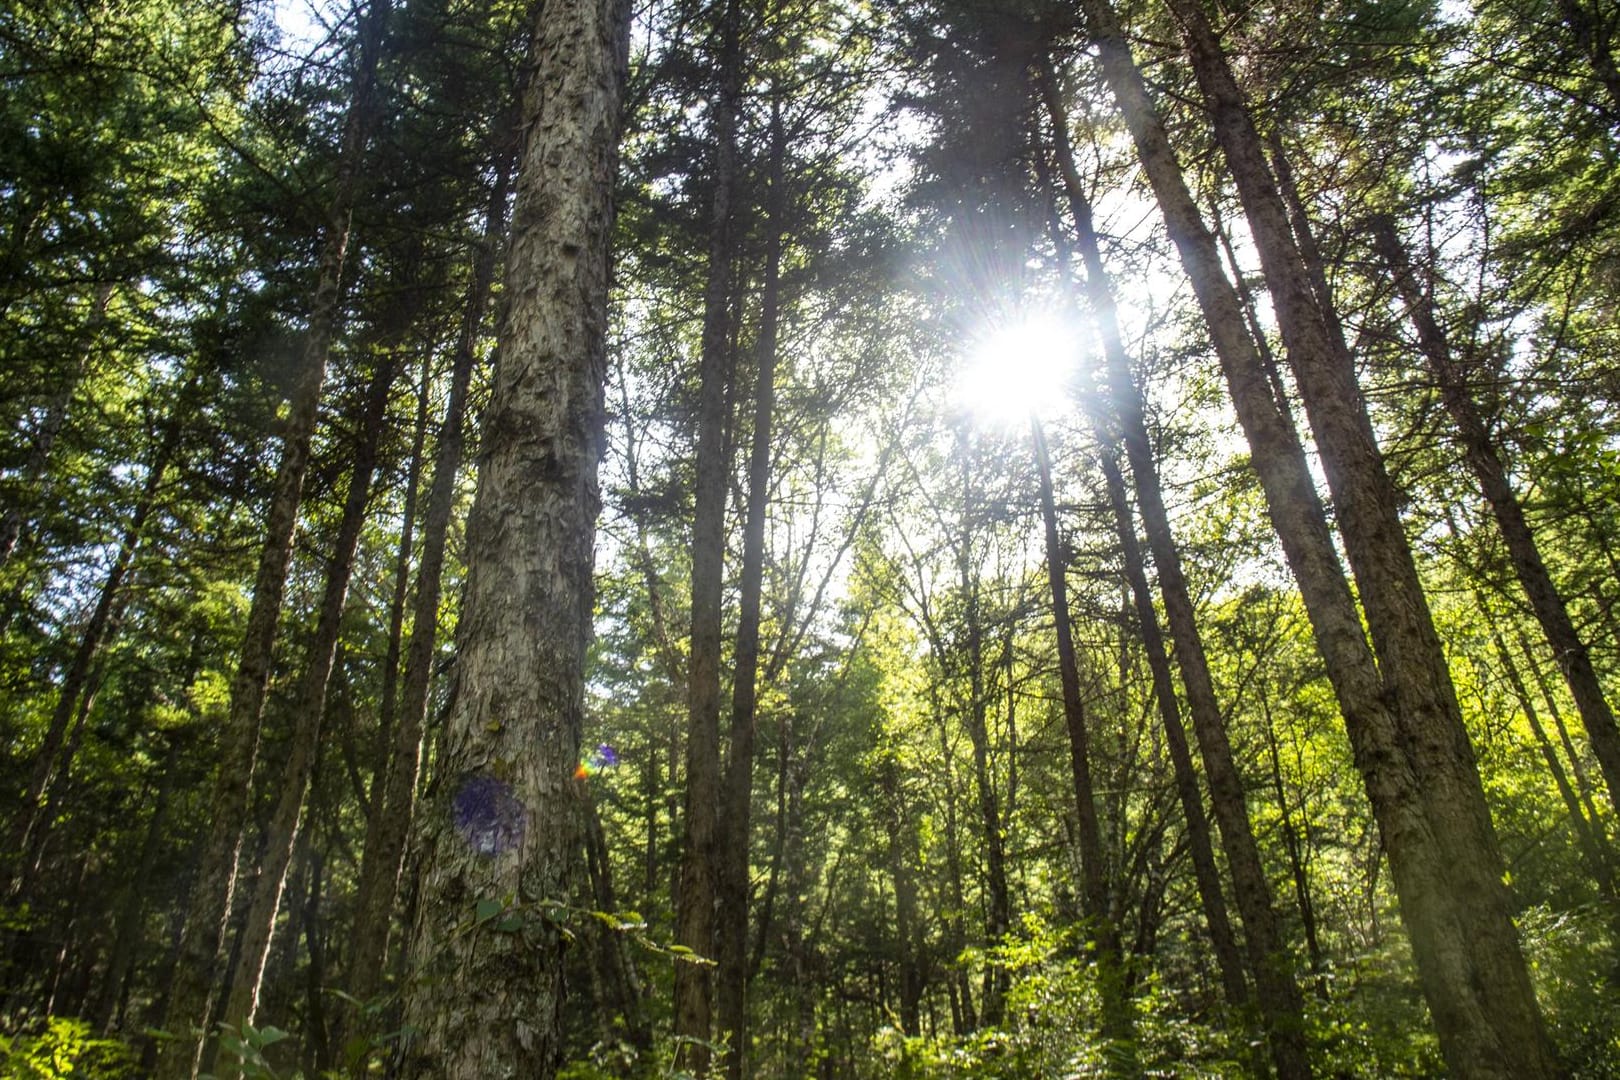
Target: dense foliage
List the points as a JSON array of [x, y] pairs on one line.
[[252, 271]]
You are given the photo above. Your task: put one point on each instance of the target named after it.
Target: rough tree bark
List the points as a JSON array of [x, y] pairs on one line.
[[484, 992], [1423, 849]]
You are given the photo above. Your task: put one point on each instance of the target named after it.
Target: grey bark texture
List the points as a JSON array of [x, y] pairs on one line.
[[484, 986]]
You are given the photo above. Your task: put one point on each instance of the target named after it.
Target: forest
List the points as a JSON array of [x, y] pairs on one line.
[[821, 539]]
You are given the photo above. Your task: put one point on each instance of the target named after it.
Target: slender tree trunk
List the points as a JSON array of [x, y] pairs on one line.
[[281, 834], [104, 1007], [393, 798], [615, 970], [902, 857], [1577, 767], [388, 707], [1466, 951], [55, 755], [317, 1044], [1485, 461], [485, 992], [964, 1019], [732, 893], [998, 913], [1119, 1026], [215, 890], [700, 850], [1277, 993], [1587, 838], [1296, 856], [1205, 871]]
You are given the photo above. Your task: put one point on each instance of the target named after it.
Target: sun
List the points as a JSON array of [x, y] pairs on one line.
[[1016, 370]]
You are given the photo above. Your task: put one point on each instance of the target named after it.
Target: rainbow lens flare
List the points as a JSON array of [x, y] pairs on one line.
[[602, 758]]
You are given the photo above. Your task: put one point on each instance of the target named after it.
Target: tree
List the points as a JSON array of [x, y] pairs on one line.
[[499, 836]]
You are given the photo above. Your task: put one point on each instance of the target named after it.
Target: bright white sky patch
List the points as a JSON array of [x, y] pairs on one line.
[[1019, 369]]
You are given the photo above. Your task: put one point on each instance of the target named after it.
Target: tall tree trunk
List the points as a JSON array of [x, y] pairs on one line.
[[393, 797], [732, 893], [1105, 430], [700, 850], [1277, 993], [1296, 855], [281, 834], [1593, 849], [485, 1000], [1488, 1019], [902, 857], [214, 892], [964, 1019], [399, 599], [998, 911], [1577, 767], [1423, 848], [1118, 1022], [1485, 461]]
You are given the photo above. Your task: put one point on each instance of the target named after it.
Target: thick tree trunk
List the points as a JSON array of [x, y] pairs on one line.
[[393, 798], [1277, 993], [281, 834], [732, 893], [700, 849], [1118, 1021], [1464, 944], [484, 995], [1485, 1009], [1485, 461]]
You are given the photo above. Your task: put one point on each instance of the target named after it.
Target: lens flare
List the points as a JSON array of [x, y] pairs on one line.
[[601, 759], [488, 815], [1018, 369]]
